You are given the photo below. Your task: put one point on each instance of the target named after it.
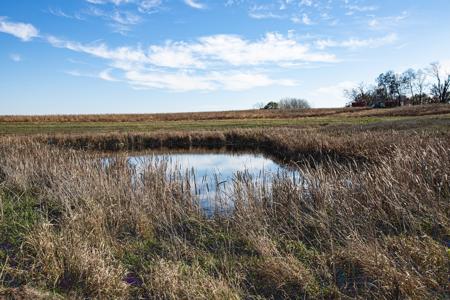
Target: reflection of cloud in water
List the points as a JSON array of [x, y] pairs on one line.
[[224, 165], [209, 169]]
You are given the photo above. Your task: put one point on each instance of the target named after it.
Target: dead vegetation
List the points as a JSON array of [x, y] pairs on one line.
[[376, 227], [284, 144], [419, 110]]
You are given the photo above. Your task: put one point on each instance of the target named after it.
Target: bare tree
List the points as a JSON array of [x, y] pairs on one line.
[[293, 103], [420, 84], [413, 83], [407, 80], [259, 105], [441, 88], [360, 93]]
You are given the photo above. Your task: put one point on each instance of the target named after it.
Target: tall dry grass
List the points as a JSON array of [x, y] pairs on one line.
[[284, 144], [72, 227]]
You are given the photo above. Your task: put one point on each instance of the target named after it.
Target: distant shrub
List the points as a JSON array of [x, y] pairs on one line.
[[271, 105], [293, 103]]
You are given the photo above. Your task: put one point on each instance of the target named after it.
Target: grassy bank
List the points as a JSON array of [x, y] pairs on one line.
[[284, 144], [70, 228]]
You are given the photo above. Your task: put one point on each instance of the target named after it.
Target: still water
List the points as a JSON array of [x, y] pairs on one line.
[[212, 176]]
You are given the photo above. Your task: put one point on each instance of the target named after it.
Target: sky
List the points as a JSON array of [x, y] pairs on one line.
[[146, 56]]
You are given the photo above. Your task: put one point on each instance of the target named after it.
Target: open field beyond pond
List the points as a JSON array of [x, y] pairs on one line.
[[410, 117]]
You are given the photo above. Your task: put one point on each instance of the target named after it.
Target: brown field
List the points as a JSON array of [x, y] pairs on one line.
[[434, 109], [369, 219], [432, 117]]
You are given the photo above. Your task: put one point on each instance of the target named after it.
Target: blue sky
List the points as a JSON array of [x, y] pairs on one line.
[[143, 56]]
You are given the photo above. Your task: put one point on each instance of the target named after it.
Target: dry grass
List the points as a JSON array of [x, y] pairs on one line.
[[283, 144], [420, 110], [196, 116], [372, 225]]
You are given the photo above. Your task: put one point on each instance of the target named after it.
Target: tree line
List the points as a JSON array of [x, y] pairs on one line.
[[285, 103], [412, 87]]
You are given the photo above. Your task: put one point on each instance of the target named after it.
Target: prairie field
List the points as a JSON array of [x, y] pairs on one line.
[[410, 117], [369, 218]]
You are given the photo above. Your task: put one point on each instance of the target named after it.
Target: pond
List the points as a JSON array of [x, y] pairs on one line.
[[211, 175]]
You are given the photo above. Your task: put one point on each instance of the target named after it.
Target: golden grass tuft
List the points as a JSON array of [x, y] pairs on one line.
[[67, 261], [175, 280]]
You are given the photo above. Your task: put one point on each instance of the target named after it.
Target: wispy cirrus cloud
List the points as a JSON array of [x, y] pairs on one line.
[[24, 31], [142, 5], [195, 4], [306, 12], [120, 21], [120, 15], [15, 57], [357, 8], [115, 2], [60, 13], [390, 22], [303, 19], [264, 11], [354, 43]]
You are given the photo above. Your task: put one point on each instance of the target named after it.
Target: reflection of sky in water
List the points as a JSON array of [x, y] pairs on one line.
[[212, 174], [223, 165]]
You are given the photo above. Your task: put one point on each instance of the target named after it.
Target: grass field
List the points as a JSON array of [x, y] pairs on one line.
[[369, 219], [435, 116]]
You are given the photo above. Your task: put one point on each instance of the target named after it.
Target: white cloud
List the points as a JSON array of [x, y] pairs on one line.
[[273, 48], [331, 96], [209, 63], [25, 32], [143, 6], [384, 23], [446, 66], [149, 5], [60, 13], [120, 20], [304, 2], [304, 19], [194, 4], [244, 80], [125, 18], [263, 12], [76, 73], [184, 81], [15, 57], [354, 43], [263, 15], [174, 55], [101, 50], [106, 75], [361, 8], [115, 2]]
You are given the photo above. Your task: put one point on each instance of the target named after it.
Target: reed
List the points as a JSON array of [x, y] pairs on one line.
[[72, 227], [284, 144]]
